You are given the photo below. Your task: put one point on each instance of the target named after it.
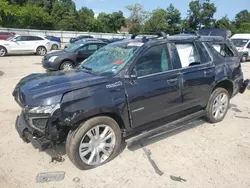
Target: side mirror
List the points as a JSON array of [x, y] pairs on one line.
[[13, 40], [132, 75]]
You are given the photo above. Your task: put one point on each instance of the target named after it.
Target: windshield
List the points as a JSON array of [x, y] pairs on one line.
[[240, 42], [73, 47], [110, 59]]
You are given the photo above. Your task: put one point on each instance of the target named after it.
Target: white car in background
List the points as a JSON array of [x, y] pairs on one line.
[[25, 44]]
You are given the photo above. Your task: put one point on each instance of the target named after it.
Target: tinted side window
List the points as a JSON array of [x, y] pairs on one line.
[[4, 33], [223, 50], [188, 54], [204, 56], [92, 47], [154, 60], [33, 38], [21, 38]]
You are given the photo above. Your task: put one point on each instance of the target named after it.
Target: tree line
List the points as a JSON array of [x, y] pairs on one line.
[[63, 15]]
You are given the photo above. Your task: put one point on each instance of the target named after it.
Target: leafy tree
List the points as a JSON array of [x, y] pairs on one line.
[[242, 17], [157, 21], [86, 19], [111, 22], [64, 15], [244, 28], [173, 17], [225, 23], [137, 17], [27, 16], [201, 14]]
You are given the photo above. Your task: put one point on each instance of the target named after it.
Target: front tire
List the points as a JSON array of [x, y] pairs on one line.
[[66, 65], [218, 105], [41, 50], [244, 58], [94, 143], [3, 51]]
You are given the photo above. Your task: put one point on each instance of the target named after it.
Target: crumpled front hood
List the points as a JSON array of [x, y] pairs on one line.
[[46, 89]]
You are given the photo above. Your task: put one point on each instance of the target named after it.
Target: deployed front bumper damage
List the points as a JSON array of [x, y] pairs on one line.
[[28, 134]]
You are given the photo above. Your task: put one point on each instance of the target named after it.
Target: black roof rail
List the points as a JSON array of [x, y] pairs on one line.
[[159, 34]]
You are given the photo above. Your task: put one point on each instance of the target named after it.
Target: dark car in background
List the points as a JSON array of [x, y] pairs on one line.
[[72, 56], [72, 40], [6, 35], [81, 41], [55, 42]]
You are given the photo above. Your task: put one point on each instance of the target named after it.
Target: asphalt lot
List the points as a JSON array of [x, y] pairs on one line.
[[205, 155]]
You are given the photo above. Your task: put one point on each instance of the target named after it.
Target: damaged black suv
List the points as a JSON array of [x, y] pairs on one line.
[[123, 88]]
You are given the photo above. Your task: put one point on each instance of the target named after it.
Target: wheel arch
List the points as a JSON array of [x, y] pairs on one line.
[[4, 48], [111, 112], [226, 84]]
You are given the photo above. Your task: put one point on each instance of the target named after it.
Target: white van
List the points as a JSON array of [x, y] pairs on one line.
[[242, 43]]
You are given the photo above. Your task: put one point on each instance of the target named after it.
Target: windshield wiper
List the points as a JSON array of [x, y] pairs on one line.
[[87, 68]]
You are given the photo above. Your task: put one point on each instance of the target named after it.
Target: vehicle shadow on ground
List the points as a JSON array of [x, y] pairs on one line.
[[56, 151], [166, 134]]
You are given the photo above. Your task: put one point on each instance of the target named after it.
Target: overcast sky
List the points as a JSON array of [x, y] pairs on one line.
[[224, 7]]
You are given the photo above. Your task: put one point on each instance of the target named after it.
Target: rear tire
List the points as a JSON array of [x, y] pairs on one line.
[[90, 138], [3, 51], [66, 65], [54, 47], [41, 50], [244, 58], [218, 105]]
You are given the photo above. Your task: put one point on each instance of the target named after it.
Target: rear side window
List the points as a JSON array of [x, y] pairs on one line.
[[33, 38], [4, 33], [223, 49], [188, 54]]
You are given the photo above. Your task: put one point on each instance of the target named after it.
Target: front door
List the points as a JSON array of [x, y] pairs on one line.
[[19, 45], [156, 92]]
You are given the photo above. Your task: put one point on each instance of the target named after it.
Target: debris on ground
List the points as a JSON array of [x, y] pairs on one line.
[[242, 117], [236, 109], [59, 159], [148, 154], [50, 176], [1, 73], [76, 180], [175, 178]]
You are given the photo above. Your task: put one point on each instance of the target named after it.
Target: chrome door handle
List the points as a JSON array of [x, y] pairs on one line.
[[172, 80]]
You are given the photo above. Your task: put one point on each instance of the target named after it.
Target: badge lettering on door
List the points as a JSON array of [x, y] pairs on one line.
[[116, 84]]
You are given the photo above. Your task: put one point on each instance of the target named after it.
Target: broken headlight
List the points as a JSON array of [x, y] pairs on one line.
[[37, 117], [44, 109]]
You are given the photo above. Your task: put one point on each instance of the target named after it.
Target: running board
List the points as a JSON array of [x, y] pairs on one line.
[[137, 139]]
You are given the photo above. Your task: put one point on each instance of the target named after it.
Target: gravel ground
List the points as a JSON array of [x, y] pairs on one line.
[[205, 155]]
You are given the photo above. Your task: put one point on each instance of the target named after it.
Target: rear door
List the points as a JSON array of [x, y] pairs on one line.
[[156, 92], [33, 42], [198, 73]]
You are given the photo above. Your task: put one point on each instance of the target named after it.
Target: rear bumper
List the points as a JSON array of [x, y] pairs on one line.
[[28, 135]]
